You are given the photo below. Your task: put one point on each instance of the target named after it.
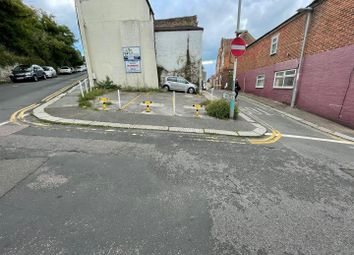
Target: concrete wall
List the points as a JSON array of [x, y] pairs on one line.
[[111, 25], [171, 48]]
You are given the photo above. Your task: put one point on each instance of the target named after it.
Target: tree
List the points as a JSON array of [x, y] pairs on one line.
[[32, 36]]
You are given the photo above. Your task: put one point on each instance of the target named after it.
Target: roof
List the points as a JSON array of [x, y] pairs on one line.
[[152, 11], [178, 28], [313, 4], [188, 23]]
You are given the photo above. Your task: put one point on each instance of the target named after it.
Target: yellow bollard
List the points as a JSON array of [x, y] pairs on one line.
[[147, 103], [197, 107], [104, 101]]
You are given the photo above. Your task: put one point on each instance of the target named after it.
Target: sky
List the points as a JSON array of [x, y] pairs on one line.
[[217, 17]]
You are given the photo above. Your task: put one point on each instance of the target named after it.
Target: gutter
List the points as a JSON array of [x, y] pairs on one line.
[[309, 11]]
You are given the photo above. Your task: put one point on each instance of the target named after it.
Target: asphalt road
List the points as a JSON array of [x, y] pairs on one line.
[[78, 190], [14, 96]]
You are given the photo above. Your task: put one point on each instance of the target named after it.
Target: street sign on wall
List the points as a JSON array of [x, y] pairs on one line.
[[132, 59], [238, 47]]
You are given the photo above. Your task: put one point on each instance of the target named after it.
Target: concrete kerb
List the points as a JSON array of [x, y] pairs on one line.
[[40, 114], [308, 123]]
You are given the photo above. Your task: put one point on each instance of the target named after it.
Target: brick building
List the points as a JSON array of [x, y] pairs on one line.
[[324, 77], [225, 61]]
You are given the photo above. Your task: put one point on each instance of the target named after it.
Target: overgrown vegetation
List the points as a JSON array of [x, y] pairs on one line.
[[30, 36], [134, 89], [205, 102], [219, 109], [85, 101], [107, 84]]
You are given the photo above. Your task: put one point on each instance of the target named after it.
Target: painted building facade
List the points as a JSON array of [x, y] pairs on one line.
[[118, 40], [326, 79], [225, 62], [179, 48]]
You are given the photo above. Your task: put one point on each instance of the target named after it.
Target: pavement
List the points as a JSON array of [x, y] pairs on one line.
[[133, 115], [69, 189], [265, 105]]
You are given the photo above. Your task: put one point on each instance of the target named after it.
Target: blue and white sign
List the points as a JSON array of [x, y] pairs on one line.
[[131, 53], [132, 59]]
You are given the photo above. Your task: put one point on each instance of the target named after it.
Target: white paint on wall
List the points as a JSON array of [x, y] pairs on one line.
[[111, 25], [171, 48]]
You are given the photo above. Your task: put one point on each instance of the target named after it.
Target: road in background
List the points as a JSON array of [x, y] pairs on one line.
[[14, 96]]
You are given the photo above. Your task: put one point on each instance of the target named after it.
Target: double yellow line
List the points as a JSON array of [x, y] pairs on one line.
[[20, 114], [273, 138]]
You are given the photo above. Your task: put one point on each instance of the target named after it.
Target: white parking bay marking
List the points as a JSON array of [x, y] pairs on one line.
[[4, 123]]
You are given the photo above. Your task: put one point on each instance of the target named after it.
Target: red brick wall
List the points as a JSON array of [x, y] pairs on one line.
[[324, 86]]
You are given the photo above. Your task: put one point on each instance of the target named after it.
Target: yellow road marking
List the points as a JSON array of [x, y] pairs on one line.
[[275, 137], [13, 117], [133, 100]]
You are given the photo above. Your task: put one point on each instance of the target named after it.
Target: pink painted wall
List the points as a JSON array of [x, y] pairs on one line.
[[248, 81], [324, 82], [326, 78]]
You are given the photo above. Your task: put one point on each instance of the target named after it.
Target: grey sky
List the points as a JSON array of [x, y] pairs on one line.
[[218, 17]]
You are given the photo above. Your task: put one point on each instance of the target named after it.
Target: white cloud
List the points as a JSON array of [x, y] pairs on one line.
[[217, 17], [209, 62]]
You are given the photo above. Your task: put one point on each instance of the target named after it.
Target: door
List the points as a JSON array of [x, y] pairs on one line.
[[182, 84]]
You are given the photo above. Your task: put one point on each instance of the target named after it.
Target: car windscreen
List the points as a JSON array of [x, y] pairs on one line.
[[45, 68], [65, 67], [23, 68]]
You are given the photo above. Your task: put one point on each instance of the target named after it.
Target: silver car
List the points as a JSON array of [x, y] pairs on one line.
[[179, 84]]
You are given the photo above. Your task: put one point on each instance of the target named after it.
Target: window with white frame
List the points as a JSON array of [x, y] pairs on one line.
[[285, 79], [274, 44], [260, 81]]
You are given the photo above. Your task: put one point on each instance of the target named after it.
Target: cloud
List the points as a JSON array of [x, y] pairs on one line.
[[217, 17], [209, 62]]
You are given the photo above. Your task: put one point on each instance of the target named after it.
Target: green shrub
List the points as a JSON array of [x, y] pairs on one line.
[[220, 109], [84, 102], [107, 84], [205, 102], [134, 89]]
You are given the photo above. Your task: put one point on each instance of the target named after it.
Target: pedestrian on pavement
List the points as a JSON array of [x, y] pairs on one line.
[[237, 89]]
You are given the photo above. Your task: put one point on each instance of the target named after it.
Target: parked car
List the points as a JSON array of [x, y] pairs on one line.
[[65, 70], [27, 72], [72, 69], [179, 84], [50, 71], [80, 68]]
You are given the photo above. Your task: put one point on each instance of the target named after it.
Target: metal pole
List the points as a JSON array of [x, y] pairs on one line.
[[294, 95], [119, 103], [232, 103], [174, 102], [81, 89]]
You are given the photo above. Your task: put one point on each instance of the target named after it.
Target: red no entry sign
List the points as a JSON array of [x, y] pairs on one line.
[[238, 47]]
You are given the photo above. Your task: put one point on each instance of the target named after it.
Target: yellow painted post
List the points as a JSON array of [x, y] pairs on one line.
[[197, 107], [147, 103], [104, 101]]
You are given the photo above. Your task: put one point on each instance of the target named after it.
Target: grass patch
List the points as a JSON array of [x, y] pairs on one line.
[[220, 109], [134, 89], [85, 102]]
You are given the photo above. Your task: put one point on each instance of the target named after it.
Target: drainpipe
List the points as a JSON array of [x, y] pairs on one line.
[[84, 42], [309, 11]]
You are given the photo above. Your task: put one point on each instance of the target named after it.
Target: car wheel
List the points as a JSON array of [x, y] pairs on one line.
[[191, 91], [35, 78], [166, 88]]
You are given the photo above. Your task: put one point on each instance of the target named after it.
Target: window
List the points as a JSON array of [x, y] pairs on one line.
[[260, 81], [284, 79], [274, 44], [181, 80], [172, 79]]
